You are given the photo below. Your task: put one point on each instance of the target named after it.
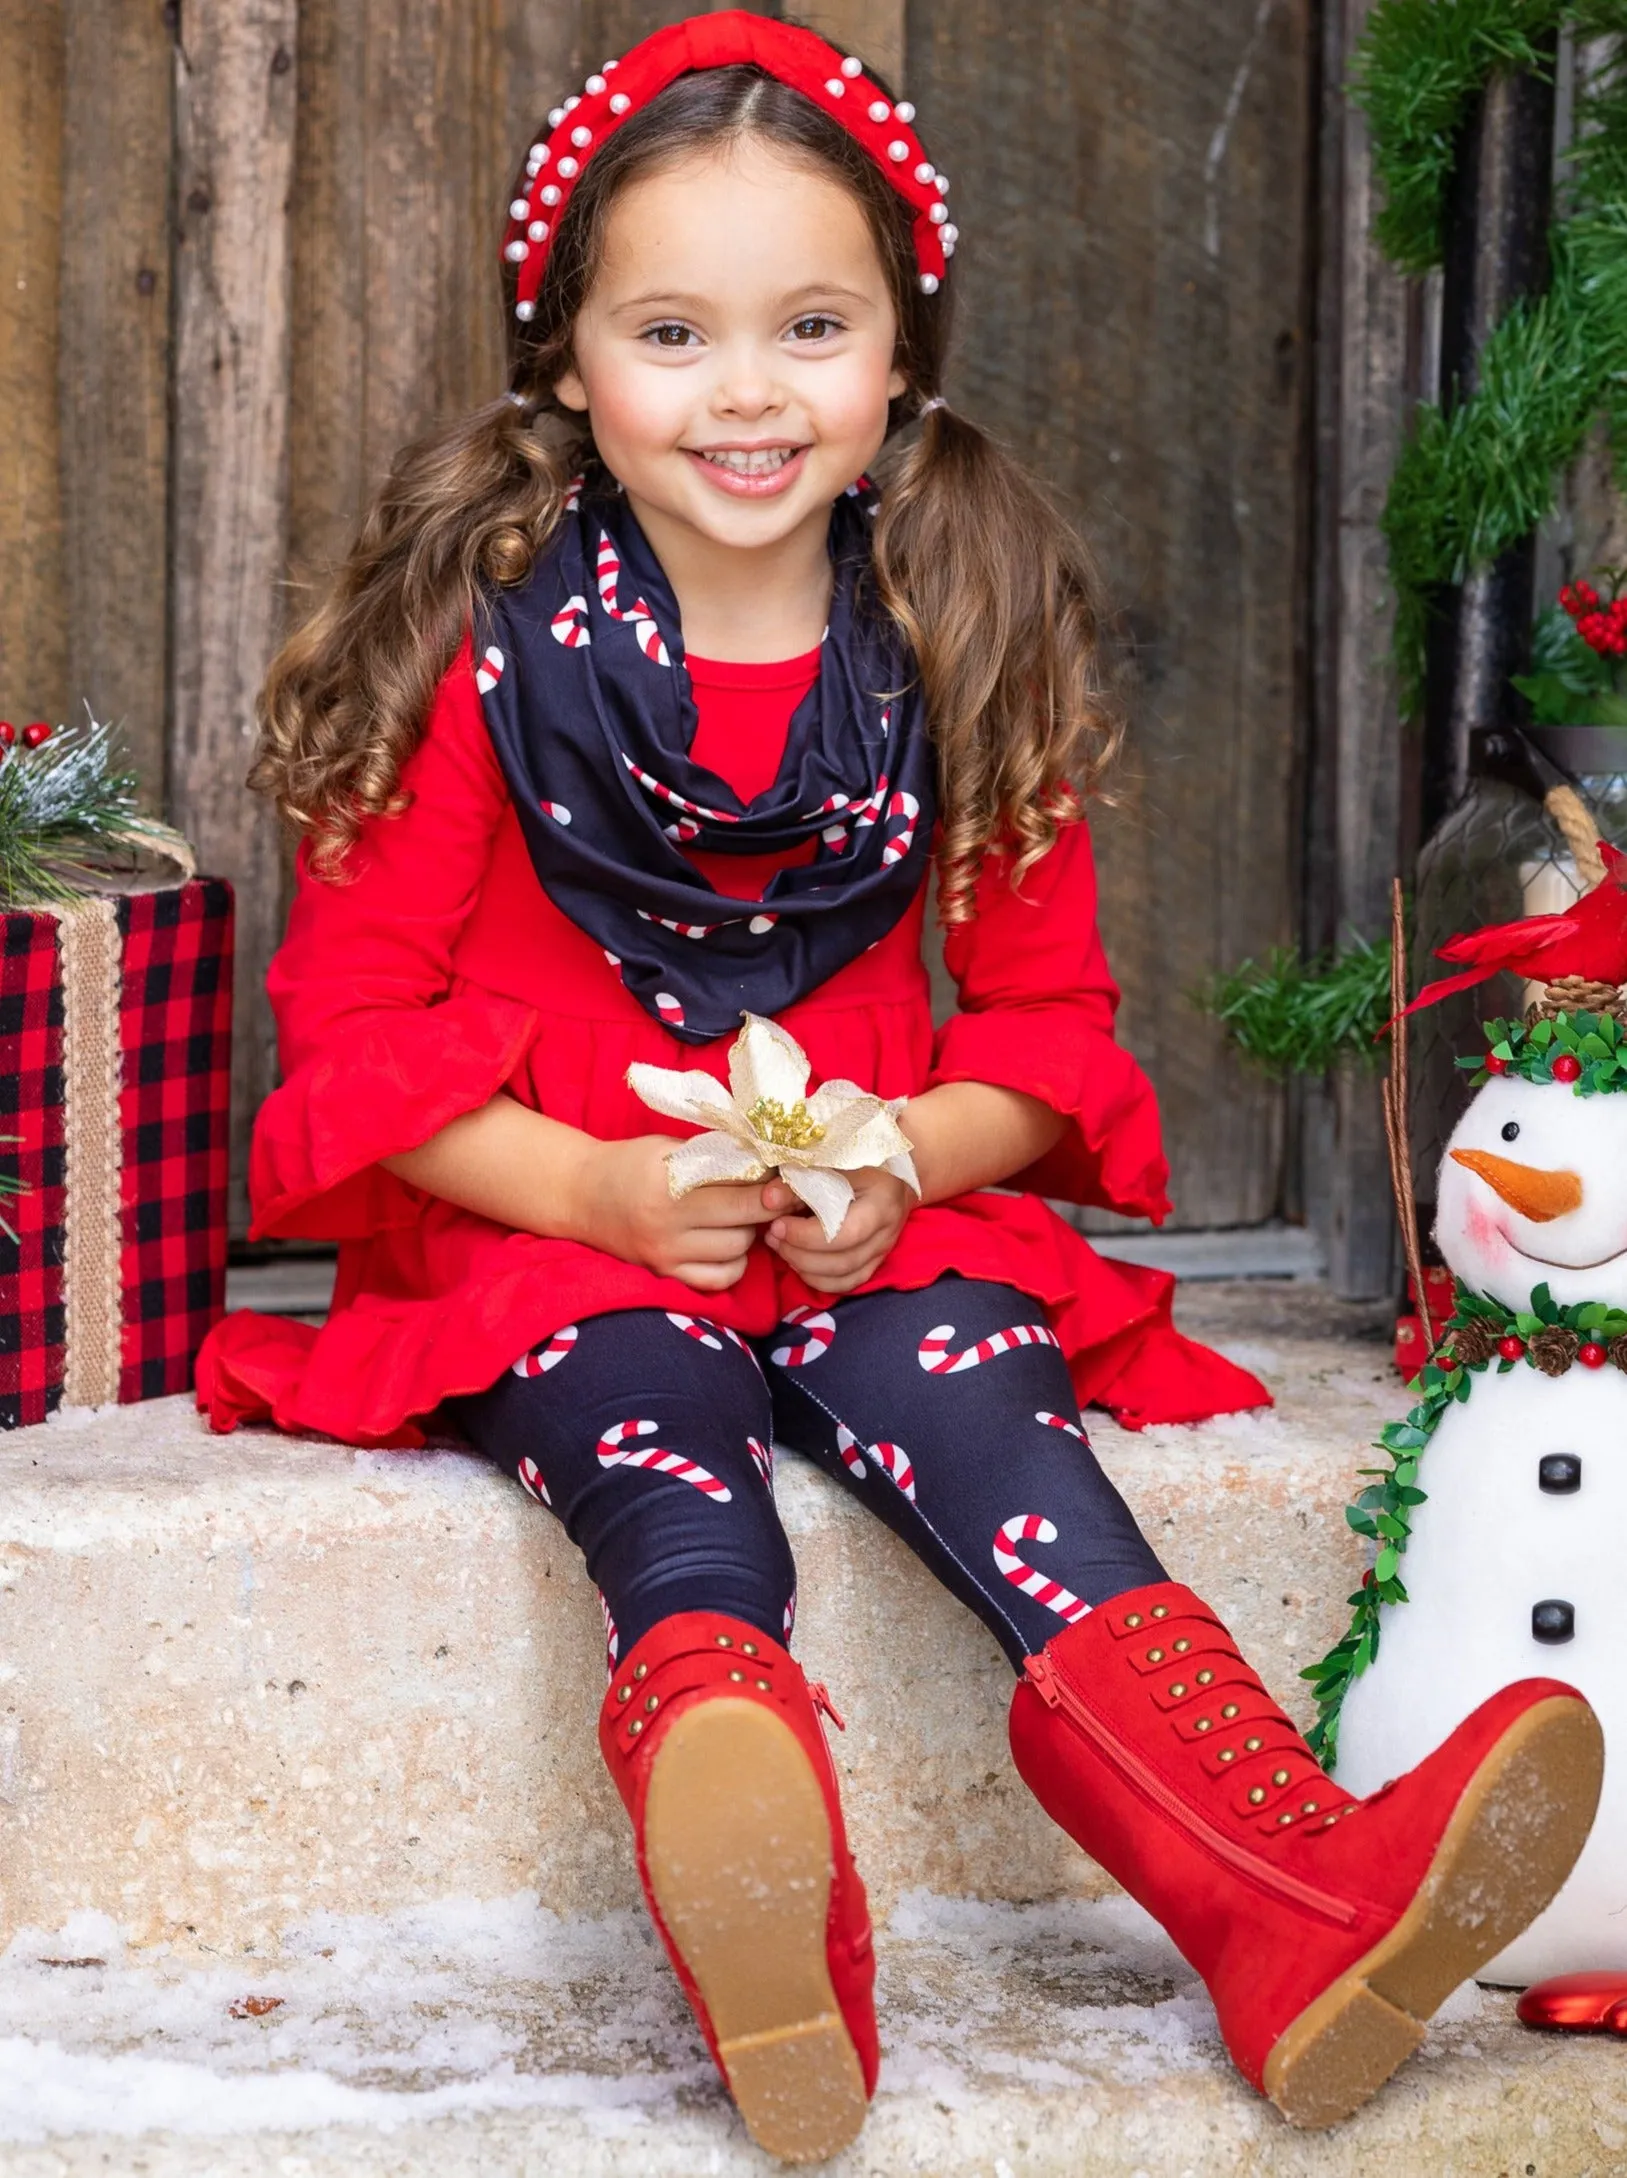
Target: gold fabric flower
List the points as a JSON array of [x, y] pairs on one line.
[[766, 1122]]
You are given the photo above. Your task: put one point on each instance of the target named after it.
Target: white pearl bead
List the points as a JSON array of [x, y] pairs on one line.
[[948, 249], [581, 138], [938, 213], [836, 87], [556, 114], [593, 86], [518, 209], [568, 168], [904, 110], [609, 66], [898, 151], [620, 102], [943, 185], [549, 193], [929, 283], [517, 252], [537, 230], [949, 237], [852, 68], [878, 109], [572, 103], [925, 171], [539, 152], [525, 312]]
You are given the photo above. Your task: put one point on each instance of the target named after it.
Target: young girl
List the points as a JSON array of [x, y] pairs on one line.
[[637, 709]]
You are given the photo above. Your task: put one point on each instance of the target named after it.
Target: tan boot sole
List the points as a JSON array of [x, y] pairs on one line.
[[1513, 1839], [738, 1847]]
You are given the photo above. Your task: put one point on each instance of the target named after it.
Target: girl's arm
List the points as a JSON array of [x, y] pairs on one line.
[[541, 1176]]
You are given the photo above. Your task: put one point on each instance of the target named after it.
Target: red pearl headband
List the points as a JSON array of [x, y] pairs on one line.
[[581, 126]]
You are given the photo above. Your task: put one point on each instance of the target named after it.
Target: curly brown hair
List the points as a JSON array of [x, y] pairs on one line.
[[994, 591]]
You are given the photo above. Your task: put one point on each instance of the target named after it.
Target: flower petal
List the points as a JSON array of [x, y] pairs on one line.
[[766, 1061], [827, 1195], [699, 1098], [706, 1158]]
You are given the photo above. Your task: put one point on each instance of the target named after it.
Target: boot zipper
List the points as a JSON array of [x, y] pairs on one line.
[[820, 1697], [1056, 1693]]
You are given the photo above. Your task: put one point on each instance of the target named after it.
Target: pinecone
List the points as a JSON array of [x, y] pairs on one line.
[[1474, 1342], [1554, 1349], [1577, 994], [1617, 1350]]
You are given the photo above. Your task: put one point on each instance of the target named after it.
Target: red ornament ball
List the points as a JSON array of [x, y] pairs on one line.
[[35, 734], [8, 734], [1511, 1348], [1495, 1065], [1567, 1067], [1592, 1355]]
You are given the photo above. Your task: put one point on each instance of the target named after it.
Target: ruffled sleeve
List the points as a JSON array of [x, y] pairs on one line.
[[378, 1049], [1037, 1003]]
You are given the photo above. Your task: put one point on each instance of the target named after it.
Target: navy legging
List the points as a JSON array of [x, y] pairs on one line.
[[947, 1411]]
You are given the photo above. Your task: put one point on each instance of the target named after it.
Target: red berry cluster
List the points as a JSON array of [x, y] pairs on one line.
[[1602, 626], [32, 735]]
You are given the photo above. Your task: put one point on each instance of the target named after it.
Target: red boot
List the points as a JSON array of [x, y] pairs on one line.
[[1327, 1928], [710, 1732]]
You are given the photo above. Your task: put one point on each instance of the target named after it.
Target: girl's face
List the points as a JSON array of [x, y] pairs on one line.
[[735, 353]]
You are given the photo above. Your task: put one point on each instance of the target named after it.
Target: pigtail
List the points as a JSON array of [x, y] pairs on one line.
[[345, 702], [1003, 608]]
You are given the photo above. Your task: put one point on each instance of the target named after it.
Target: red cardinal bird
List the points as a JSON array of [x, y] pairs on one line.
[[1589, 939]]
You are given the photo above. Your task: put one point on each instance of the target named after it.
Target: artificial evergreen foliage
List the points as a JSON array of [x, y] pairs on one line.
[[1294, 1016], [1472, 483], [67, 812]]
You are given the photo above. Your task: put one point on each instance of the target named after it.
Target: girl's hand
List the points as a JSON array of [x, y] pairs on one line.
[[703, 1238], [880, 1205]]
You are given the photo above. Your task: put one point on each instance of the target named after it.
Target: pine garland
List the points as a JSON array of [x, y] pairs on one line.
[[1290, 1015], [1469, 485], [68, 812]]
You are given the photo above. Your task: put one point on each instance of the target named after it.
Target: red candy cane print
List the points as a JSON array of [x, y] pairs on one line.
[[570, 624], [490, 670], [530, 1475], [902, 810], [615, 1451], [669, 1009], [1057, 1421], [936, 1356], [684, 930], [612, 1640], [762, 1458], [790, 1616], [850, 1448], [818, 1328], [549, 1356], [556, 810], [1035, 1528], [652, 785], [894, 1460], [711, 1334], [607, 573]]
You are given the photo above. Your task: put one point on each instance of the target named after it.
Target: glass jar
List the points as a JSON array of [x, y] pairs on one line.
[[1498, 855]]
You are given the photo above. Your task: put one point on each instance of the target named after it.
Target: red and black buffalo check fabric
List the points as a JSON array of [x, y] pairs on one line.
[[175, 1037]]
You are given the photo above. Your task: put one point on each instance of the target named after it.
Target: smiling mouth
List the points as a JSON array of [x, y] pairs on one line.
[[750, 461], [1548, 1262]]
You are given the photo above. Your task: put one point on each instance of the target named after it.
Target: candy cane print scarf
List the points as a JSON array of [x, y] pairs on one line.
[[589, 708]]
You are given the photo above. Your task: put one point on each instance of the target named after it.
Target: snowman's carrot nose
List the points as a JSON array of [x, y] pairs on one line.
[[1534, 1193]]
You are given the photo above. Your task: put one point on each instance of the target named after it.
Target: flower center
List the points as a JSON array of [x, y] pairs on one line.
[[791, 1129]]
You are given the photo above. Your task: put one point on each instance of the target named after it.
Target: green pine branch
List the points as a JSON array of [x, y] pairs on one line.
[[1290, 1015], [67, 811]]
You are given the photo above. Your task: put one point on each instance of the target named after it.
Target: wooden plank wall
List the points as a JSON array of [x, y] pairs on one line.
[[287, 270]]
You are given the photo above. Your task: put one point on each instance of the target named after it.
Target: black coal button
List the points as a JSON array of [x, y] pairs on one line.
[[1559, 1473], [1553, 1621]]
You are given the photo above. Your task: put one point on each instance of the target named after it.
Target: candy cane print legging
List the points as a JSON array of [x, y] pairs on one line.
[[947, 1411]]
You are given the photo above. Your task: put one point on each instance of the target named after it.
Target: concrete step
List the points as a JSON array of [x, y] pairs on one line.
[[285, 1723], [248, 1677], [497, 2040]]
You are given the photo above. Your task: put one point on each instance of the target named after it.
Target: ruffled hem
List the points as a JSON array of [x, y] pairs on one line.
[[403, 1075], [1112, 1154], [380, 1366]]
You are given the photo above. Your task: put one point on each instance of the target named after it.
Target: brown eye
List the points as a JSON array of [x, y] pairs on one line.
[[670, 336], [814, 328]]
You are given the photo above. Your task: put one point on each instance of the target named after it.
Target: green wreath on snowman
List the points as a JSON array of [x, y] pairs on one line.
[[1513, 1553]]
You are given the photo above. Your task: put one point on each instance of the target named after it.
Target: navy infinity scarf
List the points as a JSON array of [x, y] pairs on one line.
[[589, 708]]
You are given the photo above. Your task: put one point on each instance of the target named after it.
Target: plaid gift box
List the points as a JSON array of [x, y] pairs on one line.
[[115, 1054]]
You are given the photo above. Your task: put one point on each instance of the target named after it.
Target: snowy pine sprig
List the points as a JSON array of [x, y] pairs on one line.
[[68, 809]]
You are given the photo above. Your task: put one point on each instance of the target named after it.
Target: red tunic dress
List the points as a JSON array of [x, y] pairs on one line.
[[439, 972]]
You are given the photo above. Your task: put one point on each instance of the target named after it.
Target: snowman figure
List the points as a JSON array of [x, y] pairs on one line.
[[1514, 1561]]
